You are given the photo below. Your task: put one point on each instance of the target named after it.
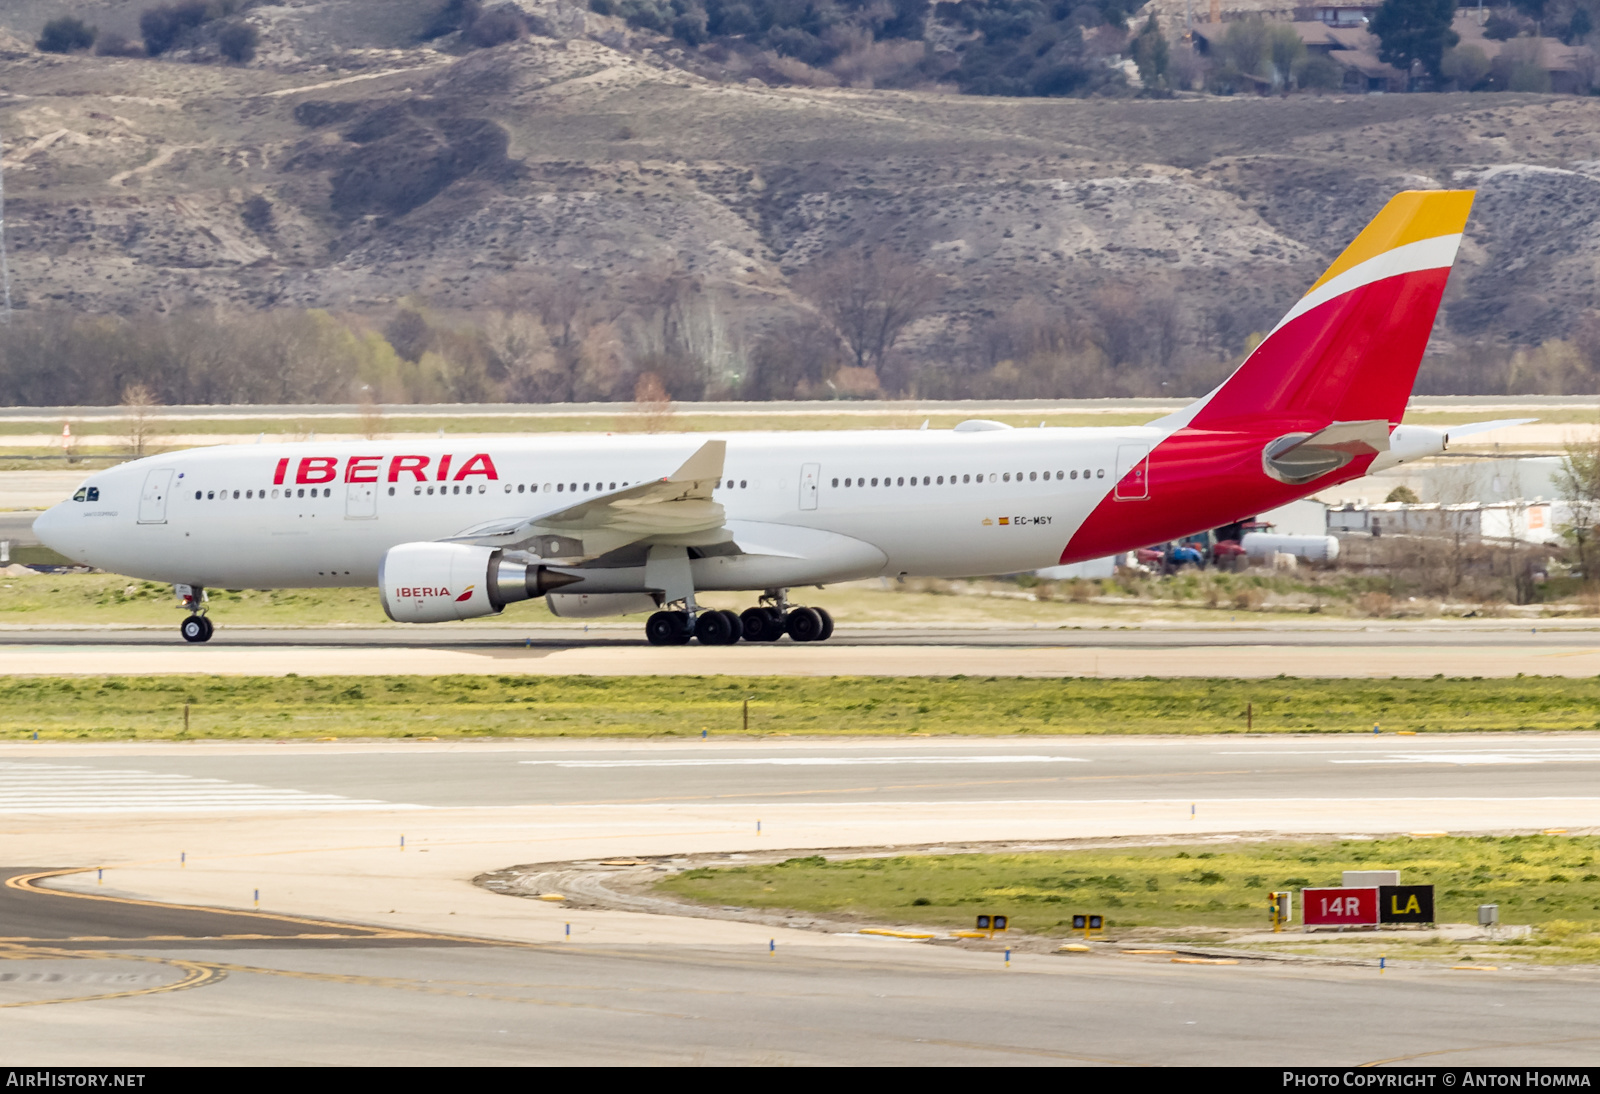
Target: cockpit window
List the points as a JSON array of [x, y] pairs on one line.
[[83, 492], [94, 493]]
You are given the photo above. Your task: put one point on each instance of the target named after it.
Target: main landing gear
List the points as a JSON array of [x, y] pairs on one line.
[[763, 623], [197, 628]]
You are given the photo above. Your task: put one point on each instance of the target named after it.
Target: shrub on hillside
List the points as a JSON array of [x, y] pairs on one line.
[[478, 27], [493, 28], [449, 17], [238, 41], [163, 25], [812, 33], [66, 35]]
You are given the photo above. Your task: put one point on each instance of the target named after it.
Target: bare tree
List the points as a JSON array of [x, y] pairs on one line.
[[651, 407], [371, 417], [1578, 479], [870, 297], [137, 401], [560, 303], [522, 359]]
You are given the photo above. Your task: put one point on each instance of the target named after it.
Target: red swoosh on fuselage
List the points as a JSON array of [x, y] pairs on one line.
[[1198, 479]]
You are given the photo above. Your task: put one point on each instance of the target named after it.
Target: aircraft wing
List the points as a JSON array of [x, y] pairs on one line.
[[678, 505]]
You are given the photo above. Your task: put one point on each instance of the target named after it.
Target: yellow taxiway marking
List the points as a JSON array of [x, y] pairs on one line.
[[27, 883], [402, 984], [1478, 1048], [20, 939], [196, 974], [356, 932]]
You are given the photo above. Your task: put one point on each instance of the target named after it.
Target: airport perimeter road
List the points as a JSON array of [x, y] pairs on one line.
[[364, 952], [1466, 648]]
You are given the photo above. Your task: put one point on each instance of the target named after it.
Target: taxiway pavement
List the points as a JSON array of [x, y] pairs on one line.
[[315, 829], [1492, 648]]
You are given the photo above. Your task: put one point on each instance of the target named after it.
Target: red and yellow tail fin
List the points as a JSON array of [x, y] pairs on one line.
[[1349, 349]]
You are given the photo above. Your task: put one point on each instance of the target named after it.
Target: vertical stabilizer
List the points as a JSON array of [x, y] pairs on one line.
[[1349, 349]]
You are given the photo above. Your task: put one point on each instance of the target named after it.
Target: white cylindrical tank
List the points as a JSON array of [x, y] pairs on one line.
[[1262, 546]]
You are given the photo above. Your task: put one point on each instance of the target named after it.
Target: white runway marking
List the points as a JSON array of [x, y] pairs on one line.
[[812, 761], [1502, 756], [60, 789]]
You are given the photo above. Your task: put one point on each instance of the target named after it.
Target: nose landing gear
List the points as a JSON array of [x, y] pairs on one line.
[[197, 628]]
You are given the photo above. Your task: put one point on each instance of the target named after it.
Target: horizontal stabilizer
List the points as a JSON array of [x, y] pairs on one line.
[[1298, 458], [1456, 432]]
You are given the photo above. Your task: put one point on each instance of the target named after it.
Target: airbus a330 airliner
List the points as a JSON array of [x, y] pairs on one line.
[[612, 525]]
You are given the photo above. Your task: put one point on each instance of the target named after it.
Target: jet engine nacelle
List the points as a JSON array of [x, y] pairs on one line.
[[438, 582]]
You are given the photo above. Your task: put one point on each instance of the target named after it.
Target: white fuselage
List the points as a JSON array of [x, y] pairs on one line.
[[324, 514]]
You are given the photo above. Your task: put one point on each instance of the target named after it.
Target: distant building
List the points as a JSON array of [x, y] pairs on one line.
[[1306, 517], [1571, 68], [1505, 522], [1093, 568], [1343, 15], [1352, 48], [1458, 480], [1340, 32]]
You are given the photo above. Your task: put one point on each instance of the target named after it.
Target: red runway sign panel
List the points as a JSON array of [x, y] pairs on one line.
[[1339, 907]]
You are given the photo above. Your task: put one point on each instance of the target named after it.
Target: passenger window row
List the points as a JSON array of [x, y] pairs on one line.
[[559, 487], [1006, 476], [444, 489], [257, 495]]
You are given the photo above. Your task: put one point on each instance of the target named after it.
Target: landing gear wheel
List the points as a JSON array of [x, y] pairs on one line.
[[762, 624], [827, 624], [667, 629], [735, 626], [714, 628], [197, 628], [805, 625]]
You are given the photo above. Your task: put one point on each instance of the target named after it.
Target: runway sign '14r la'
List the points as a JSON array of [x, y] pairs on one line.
[[1340, 907], [1367, 907]]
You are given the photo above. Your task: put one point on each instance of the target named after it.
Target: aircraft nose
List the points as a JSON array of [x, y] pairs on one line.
[[49, 525]]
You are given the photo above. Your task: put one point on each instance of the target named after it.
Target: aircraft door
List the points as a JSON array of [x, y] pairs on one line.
[[809, 474], [361, 501], [153, 501], [1133, 472]]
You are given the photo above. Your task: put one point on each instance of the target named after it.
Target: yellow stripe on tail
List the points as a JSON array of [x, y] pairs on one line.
[[1411, 215]]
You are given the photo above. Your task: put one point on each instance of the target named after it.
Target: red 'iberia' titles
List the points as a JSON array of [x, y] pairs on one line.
[[316, 470]]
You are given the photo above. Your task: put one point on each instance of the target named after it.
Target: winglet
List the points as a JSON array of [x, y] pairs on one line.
[[706, 463]]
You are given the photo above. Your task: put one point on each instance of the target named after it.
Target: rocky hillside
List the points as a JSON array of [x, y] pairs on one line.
[[348, 167]]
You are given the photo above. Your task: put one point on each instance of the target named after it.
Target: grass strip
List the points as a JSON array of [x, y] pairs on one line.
[[1547, 881], [153, 707]]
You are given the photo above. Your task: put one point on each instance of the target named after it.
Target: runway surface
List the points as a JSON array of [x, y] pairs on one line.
[[219, 778], [362, 952], [1494, 649]]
